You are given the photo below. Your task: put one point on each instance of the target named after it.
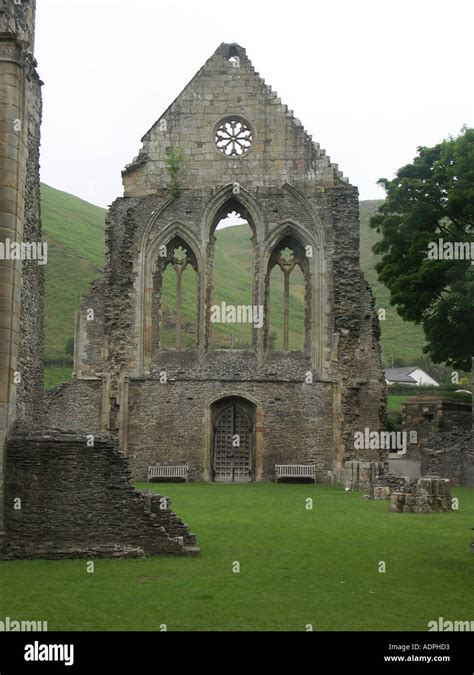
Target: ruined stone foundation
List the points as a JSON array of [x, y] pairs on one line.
[[73, 501], [426, 495]]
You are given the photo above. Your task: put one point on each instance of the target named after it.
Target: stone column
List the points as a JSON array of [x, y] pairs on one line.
[[16, 44]]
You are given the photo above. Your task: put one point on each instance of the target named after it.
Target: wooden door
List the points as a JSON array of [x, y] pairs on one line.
[[233, 444]]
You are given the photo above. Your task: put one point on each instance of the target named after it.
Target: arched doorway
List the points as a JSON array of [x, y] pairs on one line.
[[233, 441]]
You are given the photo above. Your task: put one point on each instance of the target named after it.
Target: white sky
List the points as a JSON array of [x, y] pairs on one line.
[[370, 79]]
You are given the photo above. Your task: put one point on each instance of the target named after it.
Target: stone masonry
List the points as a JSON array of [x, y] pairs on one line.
[[241, 150], [78, 500], [361, 475], [58, 496], [450, 454], [426, 495], [429, 415], [21, 283]]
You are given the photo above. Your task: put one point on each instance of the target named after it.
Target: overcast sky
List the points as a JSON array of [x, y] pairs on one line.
[[370, 80]]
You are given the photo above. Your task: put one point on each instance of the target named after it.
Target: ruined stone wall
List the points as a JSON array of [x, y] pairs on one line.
[[18, 18], [450, 454], [21, 284], [59, 497], [356, 361], [128, 229], [368, 371], [360, 475], [454, 415], [89, 344], [22, 109], [428, 416], [281, 151], [30, 359], [348, 300], [78, 501], [169, 423], [284, 186], [426, 495], [120, 295], [74, 406]]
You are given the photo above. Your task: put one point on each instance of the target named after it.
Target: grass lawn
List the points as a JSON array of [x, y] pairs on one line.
[[54, 375], [394, 402], [297, 567]]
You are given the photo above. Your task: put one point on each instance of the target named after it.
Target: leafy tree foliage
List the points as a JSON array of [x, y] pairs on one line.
[[430, 200]]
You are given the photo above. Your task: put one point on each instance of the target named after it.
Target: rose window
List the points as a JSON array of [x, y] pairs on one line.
[[233, 137]]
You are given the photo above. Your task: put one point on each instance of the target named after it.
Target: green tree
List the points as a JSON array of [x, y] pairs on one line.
[[430, 200]]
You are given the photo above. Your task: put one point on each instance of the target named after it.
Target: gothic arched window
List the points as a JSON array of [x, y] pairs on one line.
[[175, 297], [232, 318], [287, 297]]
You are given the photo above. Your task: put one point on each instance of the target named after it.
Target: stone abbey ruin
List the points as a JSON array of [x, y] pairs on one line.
[[226, 145], [241, 150]]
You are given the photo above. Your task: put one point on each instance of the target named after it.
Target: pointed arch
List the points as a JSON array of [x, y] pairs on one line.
[[309, 253], [155, 258], [288, 228], [242, 201], [172, 231], [226, 200], [175, 264]]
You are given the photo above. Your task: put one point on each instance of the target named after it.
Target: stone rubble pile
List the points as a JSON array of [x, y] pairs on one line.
[[426, 495]]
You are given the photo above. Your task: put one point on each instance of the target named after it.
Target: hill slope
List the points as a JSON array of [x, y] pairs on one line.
[[74, 230]]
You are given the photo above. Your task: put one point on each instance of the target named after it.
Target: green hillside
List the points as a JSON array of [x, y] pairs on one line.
[[74, 230]]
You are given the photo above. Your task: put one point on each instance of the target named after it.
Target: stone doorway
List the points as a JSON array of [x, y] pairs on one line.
[[233, 442]]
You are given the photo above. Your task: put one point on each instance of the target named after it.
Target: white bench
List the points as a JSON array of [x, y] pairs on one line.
[[168, 471], [295, 471]]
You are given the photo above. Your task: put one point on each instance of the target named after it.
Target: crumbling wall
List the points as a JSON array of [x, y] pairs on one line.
[[428, 416], [174, 526], [30, 357], [21, 109], [168, 423], [89, 344], [279, 139], [450, 454], [74, 405], [361, 475], [66, 499], [21, 283], [285, 186], [355, 353], [426, 495]]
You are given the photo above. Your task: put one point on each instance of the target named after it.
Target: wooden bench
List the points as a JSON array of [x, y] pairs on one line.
[[168, 471], [295, 471]]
